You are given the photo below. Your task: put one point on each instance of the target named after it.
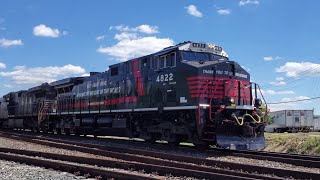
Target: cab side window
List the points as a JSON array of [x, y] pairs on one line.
[[167, 60]]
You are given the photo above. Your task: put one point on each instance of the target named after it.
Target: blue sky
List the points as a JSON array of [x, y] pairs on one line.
[[276, 41]]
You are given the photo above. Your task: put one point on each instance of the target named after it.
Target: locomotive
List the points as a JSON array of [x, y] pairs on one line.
[[190, 92]]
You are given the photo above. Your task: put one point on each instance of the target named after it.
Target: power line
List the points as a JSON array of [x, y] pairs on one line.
[[296, 100], [296, 77]]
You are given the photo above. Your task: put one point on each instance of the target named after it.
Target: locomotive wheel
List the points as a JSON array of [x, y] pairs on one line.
[[35, 129], [45, 130], [202, 146], [57, 131], [150, 141], [67, 131], [77, 132], [174, 140], [175, 143]]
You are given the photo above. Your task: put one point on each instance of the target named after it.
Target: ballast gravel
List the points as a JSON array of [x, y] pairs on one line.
[[11, 170], [213, 156]]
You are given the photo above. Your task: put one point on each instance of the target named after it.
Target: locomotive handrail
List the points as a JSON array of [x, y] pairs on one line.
[[43, 110], [266, 111], [211, 91]]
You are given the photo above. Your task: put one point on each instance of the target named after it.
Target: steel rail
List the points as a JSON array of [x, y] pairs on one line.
[[294, 159], [184, 170], [120, 152], [73, 168]]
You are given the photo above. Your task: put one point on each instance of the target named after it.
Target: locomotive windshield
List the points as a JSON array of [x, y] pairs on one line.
[[201, 56]]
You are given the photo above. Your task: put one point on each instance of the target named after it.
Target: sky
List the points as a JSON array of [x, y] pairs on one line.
[[277, 42]]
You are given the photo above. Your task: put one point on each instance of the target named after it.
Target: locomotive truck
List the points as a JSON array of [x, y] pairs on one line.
[[190, 92]]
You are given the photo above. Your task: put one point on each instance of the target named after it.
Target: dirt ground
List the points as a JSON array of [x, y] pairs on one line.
[[302, 143]]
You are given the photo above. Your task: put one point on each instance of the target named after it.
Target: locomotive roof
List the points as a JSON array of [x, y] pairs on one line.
[[170, 48], [66, 81], [195, 46], [43, 86]]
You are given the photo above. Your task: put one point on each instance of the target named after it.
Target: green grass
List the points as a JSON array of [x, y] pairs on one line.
[[303, 143]]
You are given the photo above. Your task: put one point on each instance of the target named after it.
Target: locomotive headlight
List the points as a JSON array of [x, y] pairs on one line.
[[231, 100]]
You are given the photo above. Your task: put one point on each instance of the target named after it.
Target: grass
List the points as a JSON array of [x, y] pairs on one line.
[[302, 143]]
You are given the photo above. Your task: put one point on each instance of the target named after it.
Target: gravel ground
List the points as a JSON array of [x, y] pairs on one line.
[[11, 170]]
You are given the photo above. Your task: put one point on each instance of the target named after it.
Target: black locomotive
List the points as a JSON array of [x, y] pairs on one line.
[[190, 92]]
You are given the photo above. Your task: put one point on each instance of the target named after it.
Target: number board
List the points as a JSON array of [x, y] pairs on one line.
[[198, 45]]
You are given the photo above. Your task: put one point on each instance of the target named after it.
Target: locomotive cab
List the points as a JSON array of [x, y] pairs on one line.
[[226, 116]]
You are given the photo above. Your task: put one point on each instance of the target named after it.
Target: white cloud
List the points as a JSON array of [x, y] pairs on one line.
[[121, 28], [8, 42], [298, 98], [224, 11], [85, 75], [270, 58], [130, 48], [272, 92], [2, 65], [248, 2], [279, 81], [126, 35], [148, 29], [100, 38], [44, 31], [133, 42], [193, 11], [38, 75], [144, 28], [295, 69], [8, 86]]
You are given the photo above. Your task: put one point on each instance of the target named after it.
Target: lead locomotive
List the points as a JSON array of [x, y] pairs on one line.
[[190, 92]]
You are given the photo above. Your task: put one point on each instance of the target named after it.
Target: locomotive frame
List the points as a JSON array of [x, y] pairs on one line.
[[190, 92]]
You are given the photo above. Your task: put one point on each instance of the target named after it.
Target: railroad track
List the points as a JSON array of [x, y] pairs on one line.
[[32, 158], [294, 159], [170, 161], [147, 164]]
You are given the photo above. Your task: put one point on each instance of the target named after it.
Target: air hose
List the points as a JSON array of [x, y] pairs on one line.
[[259, 121], [240, 123]]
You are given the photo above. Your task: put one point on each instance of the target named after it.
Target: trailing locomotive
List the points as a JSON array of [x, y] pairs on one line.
[[190, 92]]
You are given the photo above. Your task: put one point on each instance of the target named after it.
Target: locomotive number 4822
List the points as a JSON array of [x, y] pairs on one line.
[[165, 77]]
